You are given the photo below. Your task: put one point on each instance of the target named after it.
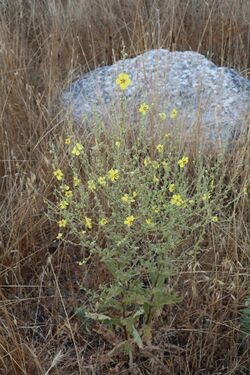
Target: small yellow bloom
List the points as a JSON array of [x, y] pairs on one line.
[[68, 193], [67, 141], [205, 197], [173, 113], [58, 174], [215, 219], [123, 81], [162, 116], [127, 199], [177, 200], [149, 222], [146, 161], [155, 164], [88, 222], [144, 108], [156, 180], [129, 220], [65, 188], [171, 188], [76, 151], [113, 174], [102, 180], [191, 201], [62, 223], [117, 144], [134, 194], [76, 181], [156, 209], [164, 164], [167, 135], [63, 204], [103, 221], [183, 161], [160, 148], [59, 236], [91, 185]]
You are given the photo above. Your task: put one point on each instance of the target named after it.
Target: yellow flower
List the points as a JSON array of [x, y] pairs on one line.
[[88, 222], [162, 116], [167, 135], [156, 179], [68, 193], [91, 185], [117, 144], [102, 180], [144, 108], [205, 197], [58, 174], [146, 161], [171, 188], [127, 199], [177, 200], [191, 201], [173, 113], [123, 81], [59, 236], [164, 164], [77, 149], [149, 222], [62, 223], [134, 194], [65, 188], [156, 209], [67, 141], [160, 148], [113, 174], [155, 164], [103, 221], [183, 161], [215, 219], [63, 204], [76, 181], [129, 220]]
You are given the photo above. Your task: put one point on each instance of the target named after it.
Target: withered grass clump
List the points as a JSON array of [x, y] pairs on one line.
[[43, 46]]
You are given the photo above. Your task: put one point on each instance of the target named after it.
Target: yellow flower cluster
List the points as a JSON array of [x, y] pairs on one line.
[[76, 151], [183, 161], [58, 174], [113, 174], [123, 81], [144, 108], [91, 185], [177, 200], [129, 221], [173, 113], [129, 199], [160, 148]]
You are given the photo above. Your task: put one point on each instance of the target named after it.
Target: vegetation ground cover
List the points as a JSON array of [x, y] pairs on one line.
[[149, 196]]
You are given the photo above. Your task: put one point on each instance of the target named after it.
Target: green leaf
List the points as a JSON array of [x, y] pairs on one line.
[[96, 316], [137, 338], [162, 298]]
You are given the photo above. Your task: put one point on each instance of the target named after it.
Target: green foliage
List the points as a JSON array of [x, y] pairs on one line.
[[133, 207]]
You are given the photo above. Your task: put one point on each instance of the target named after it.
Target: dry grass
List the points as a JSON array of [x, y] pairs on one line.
[[43, 44]]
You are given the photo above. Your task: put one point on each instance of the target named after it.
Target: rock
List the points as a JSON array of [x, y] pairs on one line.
[[216, 98]]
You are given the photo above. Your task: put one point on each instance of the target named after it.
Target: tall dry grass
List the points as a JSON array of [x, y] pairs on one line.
[[44, 45]]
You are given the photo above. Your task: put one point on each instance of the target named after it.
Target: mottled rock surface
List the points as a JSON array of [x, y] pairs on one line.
[[217, 98]]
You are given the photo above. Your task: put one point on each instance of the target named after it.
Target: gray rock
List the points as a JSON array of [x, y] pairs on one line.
[[216, 98]]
